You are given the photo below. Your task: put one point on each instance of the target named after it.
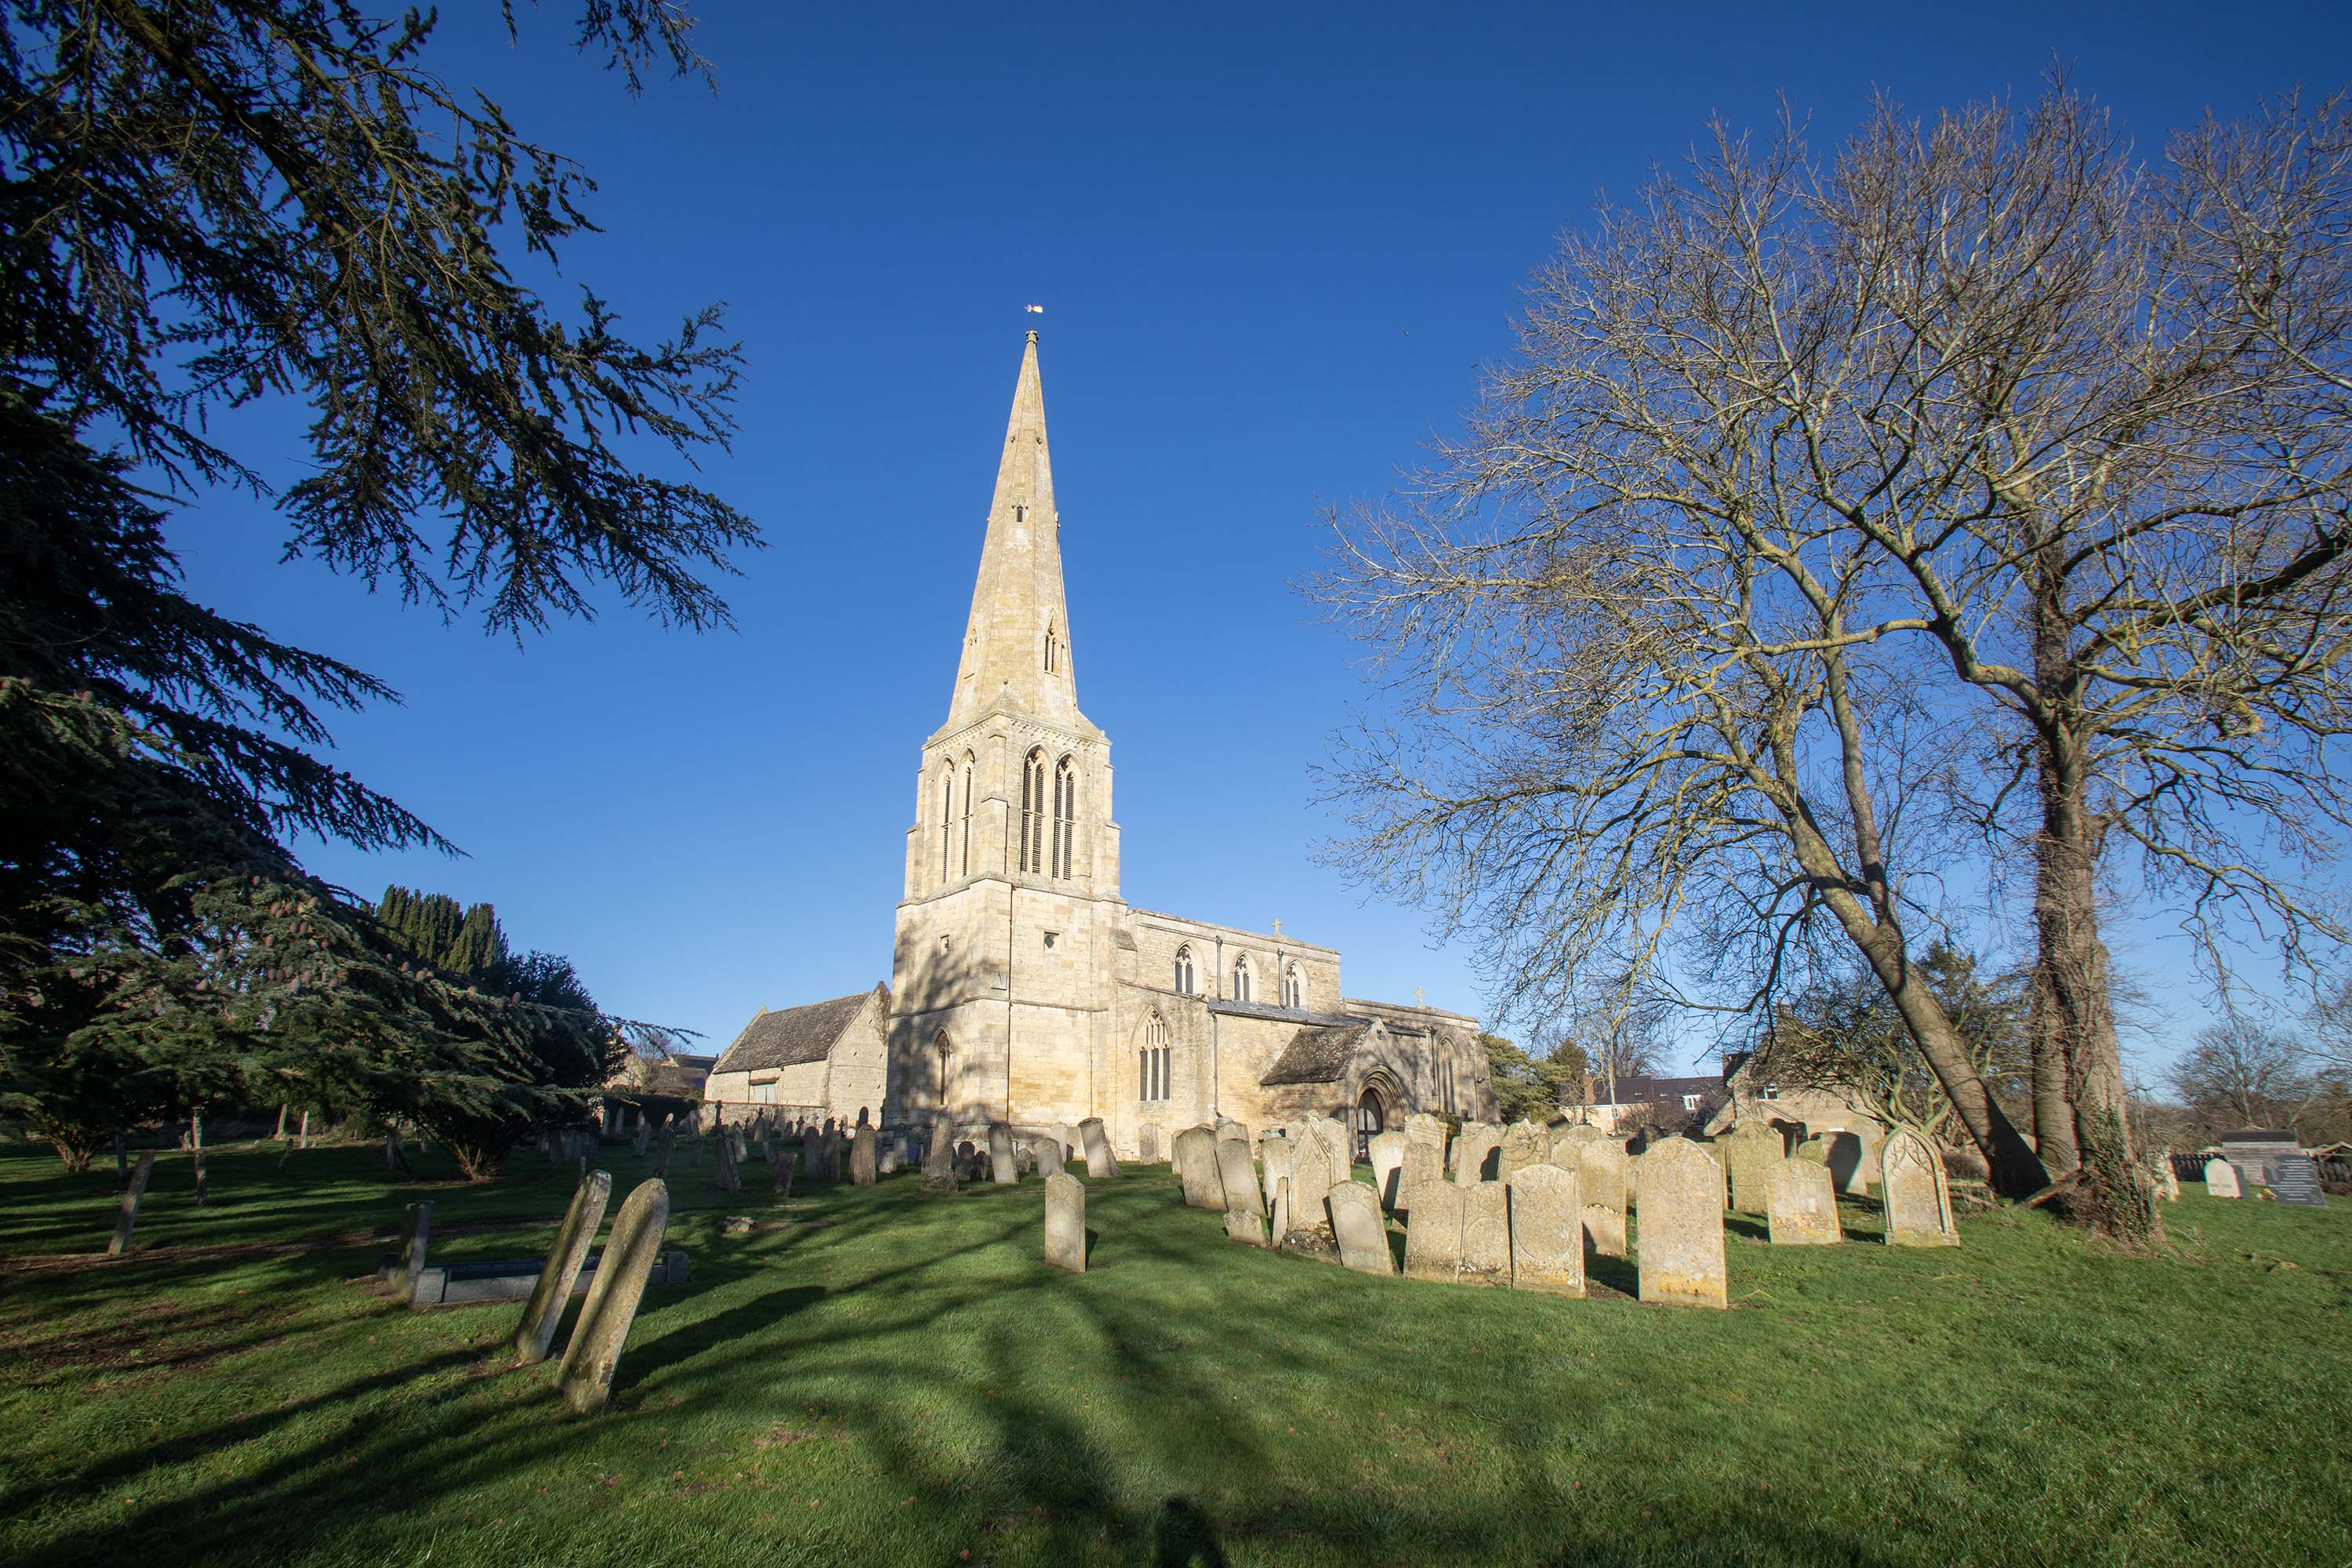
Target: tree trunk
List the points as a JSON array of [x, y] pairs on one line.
[[196, 1152]]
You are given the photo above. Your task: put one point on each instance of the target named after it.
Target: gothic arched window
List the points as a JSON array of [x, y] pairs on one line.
[[967, 813], [947, 820], [1053, 649], [1294, 987], [1032, 813], [1241, 986], [1065, 813], [1185, 970], [1152, 1060]]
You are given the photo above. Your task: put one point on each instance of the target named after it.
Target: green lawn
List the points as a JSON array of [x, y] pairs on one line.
[[882, 1378]]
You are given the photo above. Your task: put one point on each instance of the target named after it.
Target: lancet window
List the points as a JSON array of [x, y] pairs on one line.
[[1152, 1060], [1033, 809], [1065, 814], [1184, 971], [1294, 986]]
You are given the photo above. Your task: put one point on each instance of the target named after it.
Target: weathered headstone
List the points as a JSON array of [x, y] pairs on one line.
[[2222, 1180], [1546, 1230], [939, 1161], [606, 1318], [1748, 1153], [1320, 1163], [1432, 1237], [863, 1153], [1800, 1204], [1000, 1156], [813, 1155], [1048, 1154], [1847, 1166], [780, 1185], [1816, 1150], [415, 1239], [1423, 1162], [1064, 1140], [833, 1145], [1065, 1222], [1196, 1155], [1486, 1234], [1100, 1159], [1279, 1151], [1524, 1144], [1386, 1152], [1281, 1226], [129, 1215], [1601, 1165], [1568, 1144], [1912, 1186], [1359, 1230], [1245, 1208], [574, 1238], [1477, 1150], [1424, 1127], [1681, 1238], [664, 1150]]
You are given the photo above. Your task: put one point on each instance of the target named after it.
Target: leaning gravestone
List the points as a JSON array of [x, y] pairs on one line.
[[561, 1270], [129, 1215], [663, 1151], [1748, 1154], [1476, 1150], [1912, 1187], [1360, 1232], [1048, 1154], [1601, 1165], [780, 1185], [1524, 1144], [606, 1318], [864, 1154], [1000, 1156], [1100, 1162], [1546, 1230], [1065, 1222], [1682, 1226], [1432, 1237], [1386, 1151], [1486, 1234], [1196, 1156], [1238, 1176], [1800, 1204], [2294, 1179], [416, 1235]]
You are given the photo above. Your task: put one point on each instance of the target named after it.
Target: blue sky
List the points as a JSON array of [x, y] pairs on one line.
[[1272, 246]]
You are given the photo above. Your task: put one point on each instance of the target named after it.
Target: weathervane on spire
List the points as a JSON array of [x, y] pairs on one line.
[[1034, 310]]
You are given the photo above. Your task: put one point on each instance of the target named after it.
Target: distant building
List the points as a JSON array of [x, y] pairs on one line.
[[824, 1061], [1607, 1103]]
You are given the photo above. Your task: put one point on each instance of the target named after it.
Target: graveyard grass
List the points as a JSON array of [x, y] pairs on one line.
[[887, 1377]]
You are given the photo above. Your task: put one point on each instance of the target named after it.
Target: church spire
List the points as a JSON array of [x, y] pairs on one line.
[[1017, 645]]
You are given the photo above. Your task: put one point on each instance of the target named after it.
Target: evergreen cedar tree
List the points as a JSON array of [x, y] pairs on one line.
[[207, 204]]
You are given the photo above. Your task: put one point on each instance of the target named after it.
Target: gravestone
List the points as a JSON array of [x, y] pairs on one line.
[[1387, 1153], [1196, 1164], [1424, 1127], [939, 1161], [1100, 1162], [1279, 1151], [1065, 1222], [1800, 1204], [1281, 1226], [1245, 1208], [637, 1140], [833, 1150], [1524, 1144], [1681, 1238], [597, 1339], [1147, 1143], [1846, 1164], [1359, 1229], [1751, 1151], [1911, 1185], [1432, 1237], [1423, 1162], [416, 1235], [780, 1185], [1601, 1165], [1318, 1164], [864, 1152], [1064, 1140], [574, 1238], [1568, 1144], [1546, 1230], [663, 1151], [1477, 1150], [1000, 1156], [1048, 1154], [722, 1174], [2294, 1179], [812, 1154], [1486, 1234], [1816, 1150], [129, 1215]]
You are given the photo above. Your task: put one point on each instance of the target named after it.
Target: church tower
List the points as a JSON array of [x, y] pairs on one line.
[[1006, 963]]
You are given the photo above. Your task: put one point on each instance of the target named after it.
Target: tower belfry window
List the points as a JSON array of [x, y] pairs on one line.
[[1065, 814], [1185, 970], [1033, 809], [967, 815]]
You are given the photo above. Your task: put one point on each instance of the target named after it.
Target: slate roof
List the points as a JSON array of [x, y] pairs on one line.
[[791, 1037], [1316, 1055], [1267, 1010]]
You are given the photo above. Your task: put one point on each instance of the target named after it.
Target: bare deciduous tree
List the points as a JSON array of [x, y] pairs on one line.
[[1985, 464]]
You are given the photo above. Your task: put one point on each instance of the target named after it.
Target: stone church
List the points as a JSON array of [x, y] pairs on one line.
[[1025, 988]]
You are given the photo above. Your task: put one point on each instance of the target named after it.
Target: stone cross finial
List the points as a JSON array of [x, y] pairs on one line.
[[1277, 928], [1418, 999]]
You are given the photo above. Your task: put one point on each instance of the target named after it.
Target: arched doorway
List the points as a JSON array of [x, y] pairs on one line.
[[1373, 1110]]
